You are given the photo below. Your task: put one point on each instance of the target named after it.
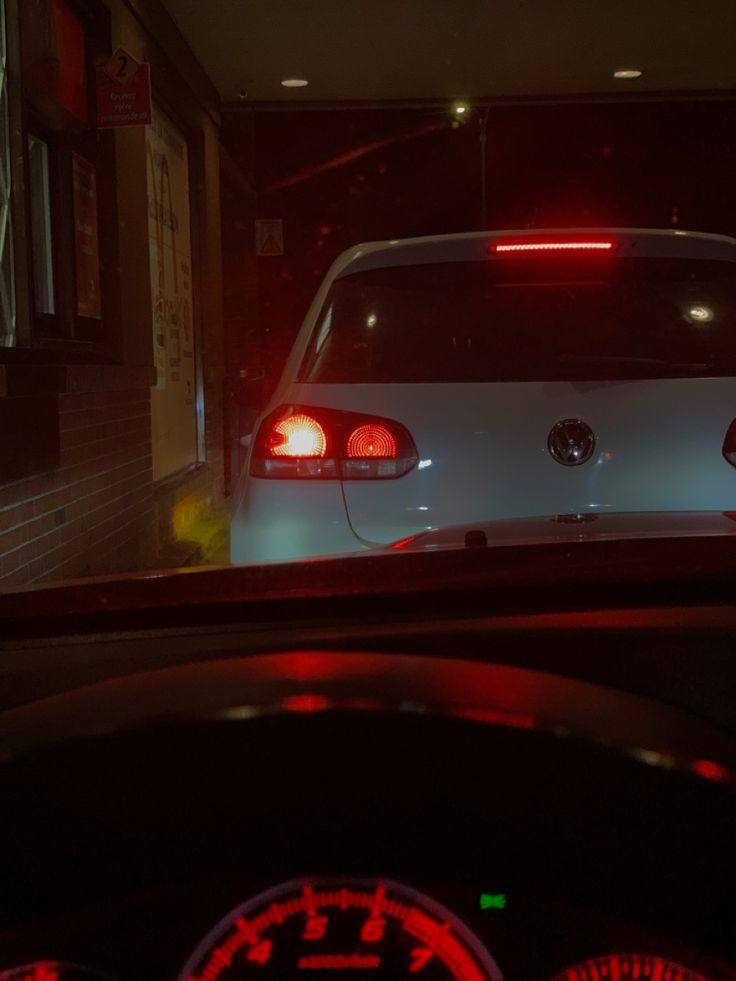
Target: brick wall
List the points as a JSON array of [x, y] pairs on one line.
[[94, 514], [92, 508]]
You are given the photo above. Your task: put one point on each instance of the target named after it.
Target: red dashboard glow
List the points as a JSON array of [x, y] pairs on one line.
[[340, 925], [710, 770], [40, 971], [628, 967], [49, 971], [305, 703]]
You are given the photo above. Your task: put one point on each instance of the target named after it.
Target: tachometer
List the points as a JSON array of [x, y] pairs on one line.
[[628, 967], [312, 927]]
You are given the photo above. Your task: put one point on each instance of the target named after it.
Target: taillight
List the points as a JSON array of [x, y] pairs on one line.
[[298, 437], [525, 246], [729, 444], [306, 442], [371, 441]]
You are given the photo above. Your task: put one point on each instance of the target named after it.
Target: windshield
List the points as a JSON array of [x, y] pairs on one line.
[[367, 481], [527, 320], [283, 282]]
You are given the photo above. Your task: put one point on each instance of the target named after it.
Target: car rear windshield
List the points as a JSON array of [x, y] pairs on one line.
[[527, 319]]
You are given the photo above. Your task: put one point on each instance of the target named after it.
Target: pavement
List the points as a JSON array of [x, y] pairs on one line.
[[207, 542], [218, 552]]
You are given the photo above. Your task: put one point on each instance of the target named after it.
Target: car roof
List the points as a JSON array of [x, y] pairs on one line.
[[473, 246]]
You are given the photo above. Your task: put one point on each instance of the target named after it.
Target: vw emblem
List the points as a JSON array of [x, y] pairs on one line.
[[571, 442]]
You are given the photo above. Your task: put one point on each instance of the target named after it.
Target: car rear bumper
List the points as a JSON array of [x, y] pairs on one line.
[[281, 520]]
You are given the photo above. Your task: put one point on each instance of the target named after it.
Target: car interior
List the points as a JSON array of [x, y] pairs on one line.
[[572, 808]]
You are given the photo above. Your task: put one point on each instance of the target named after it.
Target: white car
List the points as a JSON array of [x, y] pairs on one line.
[[470, 378]]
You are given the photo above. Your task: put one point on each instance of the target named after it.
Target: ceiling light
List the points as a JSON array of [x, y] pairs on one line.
[[700, 314], [627, 73], [460, 108], [294, 83]]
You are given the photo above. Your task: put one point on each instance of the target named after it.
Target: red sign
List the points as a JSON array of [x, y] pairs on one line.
[[123, 92], [71, 81], [86, 245]]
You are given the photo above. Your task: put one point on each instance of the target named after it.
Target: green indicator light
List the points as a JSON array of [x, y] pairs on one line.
[[490, 900]]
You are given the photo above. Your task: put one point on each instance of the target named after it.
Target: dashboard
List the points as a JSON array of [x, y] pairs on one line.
[[354, 835]]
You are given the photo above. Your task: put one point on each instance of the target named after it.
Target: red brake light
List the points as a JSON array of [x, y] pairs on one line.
[[309, 442], [372, 441], [559, 245], [298, 437]]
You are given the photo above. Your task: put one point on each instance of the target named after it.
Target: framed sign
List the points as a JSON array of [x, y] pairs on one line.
[[173, 410], [123, 92], [86, 242]]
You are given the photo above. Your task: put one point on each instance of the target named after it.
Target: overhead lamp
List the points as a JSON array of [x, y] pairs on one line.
[[293, 82], [460, 108], [700, 314], [624, 73]]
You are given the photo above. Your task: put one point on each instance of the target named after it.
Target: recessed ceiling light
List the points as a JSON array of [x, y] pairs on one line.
[[700, 314], [627, 73], [291, 82]]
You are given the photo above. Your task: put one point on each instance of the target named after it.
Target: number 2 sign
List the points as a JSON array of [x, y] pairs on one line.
[[123, 92]]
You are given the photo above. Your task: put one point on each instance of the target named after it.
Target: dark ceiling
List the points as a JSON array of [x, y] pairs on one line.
[[405, 50]]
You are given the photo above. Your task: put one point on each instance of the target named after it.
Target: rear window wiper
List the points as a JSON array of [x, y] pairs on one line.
[[624, 359]]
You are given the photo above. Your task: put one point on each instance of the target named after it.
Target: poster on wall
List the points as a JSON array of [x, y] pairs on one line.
[[86, 243], [173, 411]]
